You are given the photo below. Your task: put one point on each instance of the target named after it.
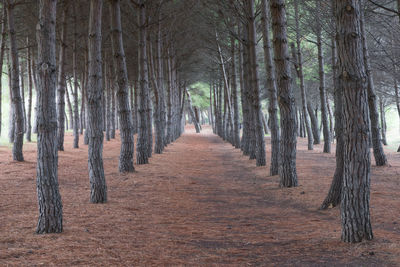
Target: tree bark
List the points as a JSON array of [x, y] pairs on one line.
[[124, 111], [259, 131], [50, 207], [287, 168], [29, 115], [98, 188], [236, 130], [356, 223], [322, 91], [272, 90], [75, 89], [142, 156], [379, 154], [2, 49], [16, 93], [62, 84], [192, 113], [383, 121]]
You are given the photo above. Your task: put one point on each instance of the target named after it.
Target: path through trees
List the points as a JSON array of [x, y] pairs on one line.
[[200, 202]]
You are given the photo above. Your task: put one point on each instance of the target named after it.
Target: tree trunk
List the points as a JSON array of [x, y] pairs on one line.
[[287, 169], [142, 156], [50, 206], [335, 191], [124, 111], [22, 87], [29, 115], [98, 188], [16, 93], [70, 109], [322, 91], [2, 49], [112, 89], [62, 84], [272, 90], [11, 122], [236, 130], [75, 90], [192, 113], [108, 101], [299, 69], [383, 121], [379, 154], [314, 124], [356, 224], [259, 131]]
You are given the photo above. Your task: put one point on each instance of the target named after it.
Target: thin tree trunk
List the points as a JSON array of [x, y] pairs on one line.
[[75, 89], [322, 91], [50, 206], [236, 130], [314, 124], [2, 49], [383, 121], [356, 222], [379, 154], [287, 169], [192, 113], [70, 109], [29, 115], [62, 84], [16, 93], [22, 87], [272, 90], [299, 69], [98, 188], [142, 156], [124, 111]]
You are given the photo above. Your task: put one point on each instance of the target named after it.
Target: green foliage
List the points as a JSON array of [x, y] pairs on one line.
[[200, 93]]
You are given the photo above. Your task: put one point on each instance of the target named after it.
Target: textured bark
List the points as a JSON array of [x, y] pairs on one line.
[[112, 89], [383, 121], [29, 114], [16, 93], [2, 49], [124, 111], [299, 69], [142, 156], [69, 103], [62, 83], [161, 89], [98, 188], [272, 90], [108, 102], [356, 222], [322, 91], [287, 168], [236, 130], [334, 195], [314, 123], [50, 206], [379, 154], [75, 89], [22, 87], [259, 131]]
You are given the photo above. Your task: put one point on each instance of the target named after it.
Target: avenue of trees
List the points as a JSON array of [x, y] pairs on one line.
[[320, 69]]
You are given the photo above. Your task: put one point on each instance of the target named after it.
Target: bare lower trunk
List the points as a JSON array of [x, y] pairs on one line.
[[29, 114], [124, 111], [98, 188], [356, 221], [287, 168], [383, 121], [50, 206], [62, 84], [75, 89], [16, 93]]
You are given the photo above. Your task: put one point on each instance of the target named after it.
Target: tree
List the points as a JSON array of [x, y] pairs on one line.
[[50, 206], [356, 222], [287, 169], [124, 111], [98, 188], [62, 83], [18, 115]]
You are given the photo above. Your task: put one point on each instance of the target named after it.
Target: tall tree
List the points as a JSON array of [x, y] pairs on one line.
[[98, 188], [75, 77], [62, 82], [287, 169], [16, 93], [124, 111], [50, 206], [272, 90], [356, 221]]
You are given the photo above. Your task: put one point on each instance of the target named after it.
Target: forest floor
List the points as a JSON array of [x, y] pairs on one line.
[[199, 203]]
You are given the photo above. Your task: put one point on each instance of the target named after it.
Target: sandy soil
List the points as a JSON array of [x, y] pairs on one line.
[[199, 203]]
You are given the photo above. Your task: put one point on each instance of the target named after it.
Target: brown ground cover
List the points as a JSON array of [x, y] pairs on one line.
[[199, 203]]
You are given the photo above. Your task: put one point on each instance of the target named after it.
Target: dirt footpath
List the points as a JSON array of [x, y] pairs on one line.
[[199, 203]]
